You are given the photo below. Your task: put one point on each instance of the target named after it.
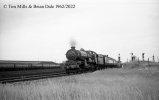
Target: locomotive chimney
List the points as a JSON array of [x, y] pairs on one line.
[[72, 47]]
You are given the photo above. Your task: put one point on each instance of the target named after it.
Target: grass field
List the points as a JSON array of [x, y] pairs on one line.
[[137, 83]]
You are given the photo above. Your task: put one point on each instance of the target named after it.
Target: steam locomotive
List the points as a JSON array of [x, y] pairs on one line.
[[85, 60]]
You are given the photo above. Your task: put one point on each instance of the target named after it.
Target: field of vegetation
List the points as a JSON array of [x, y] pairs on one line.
[[132, 82]]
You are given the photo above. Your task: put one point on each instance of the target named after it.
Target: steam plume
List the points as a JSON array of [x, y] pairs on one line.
[[73, 43]]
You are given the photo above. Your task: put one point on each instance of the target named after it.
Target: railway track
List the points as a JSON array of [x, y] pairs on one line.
[[18, 76], [31, 77], [10, 77]]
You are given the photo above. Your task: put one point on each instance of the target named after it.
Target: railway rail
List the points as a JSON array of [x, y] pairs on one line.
[[11, 77], [31, 77]]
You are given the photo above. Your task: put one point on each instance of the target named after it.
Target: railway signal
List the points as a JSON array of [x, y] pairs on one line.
[[131, 56], [153, 58], [119, 57], [143, 56]]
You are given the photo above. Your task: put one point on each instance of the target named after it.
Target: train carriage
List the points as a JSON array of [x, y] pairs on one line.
[[22, 66], [26, 65], [6, 66], [37, 65], [46, 65], [100, 60]]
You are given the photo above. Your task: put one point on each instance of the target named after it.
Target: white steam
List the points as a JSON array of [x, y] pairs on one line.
[[73, 43]]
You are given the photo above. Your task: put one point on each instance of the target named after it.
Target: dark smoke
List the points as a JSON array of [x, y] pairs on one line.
[[73, 43]]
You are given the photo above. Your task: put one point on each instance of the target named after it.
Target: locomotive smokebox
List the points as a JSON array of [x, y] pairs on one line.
[[72, 54]]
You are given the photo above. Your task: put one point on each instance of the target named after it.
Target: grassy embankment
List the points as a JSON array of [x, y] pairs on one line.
[[138, 83]]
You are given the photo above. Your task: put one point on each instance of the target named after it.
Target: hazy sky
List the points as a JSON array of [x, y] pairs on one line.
[[104, 26]]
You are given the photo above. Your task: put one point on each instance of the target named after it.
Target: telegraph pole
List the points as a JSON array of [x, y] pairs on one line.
[[119, 60]]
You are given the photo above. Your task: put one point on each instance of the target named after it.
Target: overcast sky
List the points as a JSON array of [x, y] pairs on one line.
[[104, 26]]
